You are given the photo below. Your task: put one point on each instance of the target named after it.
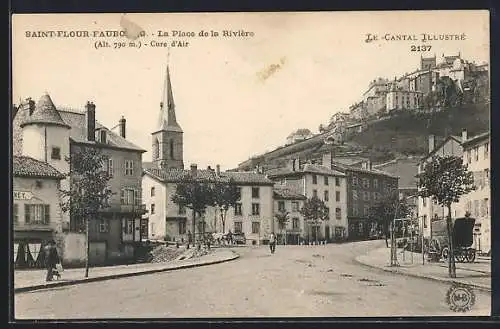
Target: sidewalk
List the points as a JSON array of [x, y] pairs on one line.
[[29, 280], [476, 275]]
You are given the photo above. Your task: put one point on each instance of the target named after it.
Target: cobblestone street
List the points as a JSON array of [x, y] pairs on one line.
[[296, 281]]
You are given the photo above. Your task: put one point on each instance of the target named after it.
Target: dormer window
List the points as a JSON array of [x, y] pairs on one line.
[[102, 136]]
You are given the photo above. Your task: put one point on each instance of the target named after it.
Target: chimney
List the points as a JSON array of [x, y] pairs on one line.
[[464, 135], [217, 169], [28, 106], [327, 160], [122, 124], [432, 143], [194, 170], [90, 121]]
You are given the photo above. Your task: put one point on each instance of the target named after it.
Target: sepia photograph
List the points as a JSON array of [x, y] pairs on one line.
[[250, 165]]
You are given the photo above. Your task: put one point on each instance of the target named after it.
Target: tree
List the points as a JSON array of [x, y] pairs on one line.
[[282, 218], [386, 209], [445, 180], [196, 195], [314, 211], [225, 196], [88, 193]]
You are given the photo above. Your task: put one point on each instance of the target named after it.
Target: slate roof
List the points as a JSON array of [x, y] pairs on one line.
[[438, 146], [287, 194], [307, 168], [247, 177], [176, 175], [45, 112], [475, 139], [372, 171], [23, 166]]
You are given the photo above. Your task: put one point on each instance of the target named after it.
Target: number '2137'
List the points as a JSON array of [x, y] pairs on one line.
[[421, 48]]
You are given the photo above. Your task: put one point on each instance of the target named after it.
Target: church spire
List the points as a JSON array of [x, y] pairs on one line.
[[167, 120]]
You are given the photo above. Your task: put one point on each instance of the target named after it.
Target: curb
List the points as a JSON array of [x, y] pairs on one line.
[[428, 277], [122, 275]]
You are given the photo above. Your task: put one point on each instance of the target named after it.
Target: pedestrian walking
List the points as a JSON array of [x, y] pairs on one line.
[[272, 243], [51, 259]]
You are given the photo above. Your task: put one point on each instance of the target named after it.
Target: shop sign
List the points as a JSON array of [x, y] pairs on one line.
[[22, 195]]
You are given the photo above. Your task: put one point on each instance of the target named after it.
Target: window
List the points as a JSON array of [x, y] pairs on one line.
[[237, 209], [152, 209], [327, 212], [152, 191], [366, 210], [315, 193], [354, 181], [56, 153], [255, 192], [337, 181], [424, 202], [486, 150], [182, 227], [326, 196], [255, 209], [15, 213], [476, 153], [295, 223], [469, 156], [338, 213], [355, 195], [110, 167], [425, 221], [486, 203], [355, 211], [281, 206], [315, 179], [102, 136], [375, 183], [255, 227], [239, 191], [366, 183], [128, 226], [171, 146], [103, 226], [130, 197], [181, 210], [37, 214], [337, 196], [366, 196], [295, 206], [129, 168], [238, 227], [326, 180]]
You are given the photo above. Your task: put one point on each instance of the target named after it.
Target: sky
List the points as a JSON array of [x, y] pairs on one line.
[[235, 97]]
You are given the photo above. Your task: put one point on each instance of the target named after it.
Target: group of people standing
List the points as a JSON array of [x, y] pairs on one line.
[[51, 260]]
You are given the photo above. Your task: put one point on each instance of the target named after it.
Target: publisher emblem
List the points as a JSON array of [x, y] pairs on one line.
[[460, 298]]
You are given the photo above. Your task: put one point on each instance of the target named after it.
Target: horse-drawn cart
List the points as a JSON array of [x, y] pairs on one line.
[[462, 234]]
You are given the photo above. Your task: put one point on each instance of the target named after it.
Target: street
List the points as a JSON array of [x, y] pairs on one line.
[[296, 281]]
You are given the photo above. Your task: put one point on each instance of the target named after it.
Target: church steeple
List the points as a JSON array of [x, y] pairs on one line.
[[167, 120], [167, 136]]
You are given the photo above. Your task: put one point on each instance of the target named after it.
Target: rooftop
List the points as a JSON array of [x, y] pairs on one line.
[[23, 166], [476, 139], [281, 192]]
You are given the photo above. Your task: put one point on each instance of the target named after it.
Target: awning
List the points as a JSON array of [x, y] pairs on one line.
[[33, 235]]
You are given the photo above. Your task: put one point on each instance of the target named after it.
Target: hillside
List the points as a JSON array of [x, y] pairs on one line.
[[407, 133], [399, 135]]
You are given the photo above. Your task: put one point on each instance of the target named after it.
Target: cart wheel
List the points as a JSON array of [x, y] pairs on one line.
[[470, 255], [444, 253], [460, 257]]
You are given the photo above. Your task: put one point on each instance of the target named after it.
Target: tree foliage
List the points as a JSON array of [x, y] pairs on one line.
[[445, 180], [315, 209], [387, 208], [282, 218], [225, 196], [88, 191]]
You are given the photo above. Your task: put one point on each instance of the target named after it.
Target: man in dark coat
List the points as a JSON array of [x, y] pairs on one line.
[[51, 259]]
